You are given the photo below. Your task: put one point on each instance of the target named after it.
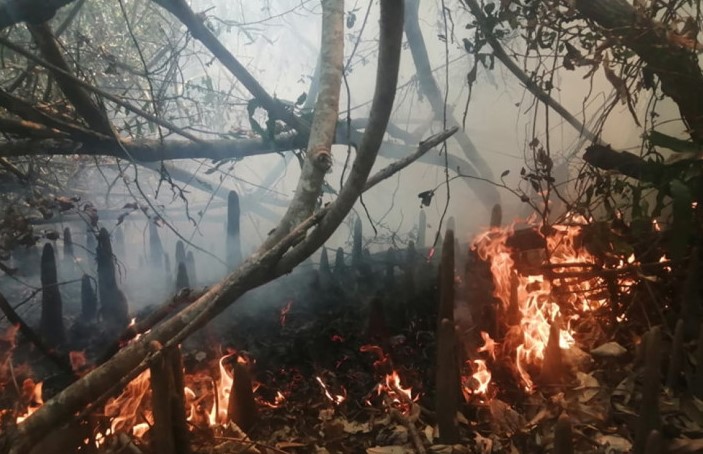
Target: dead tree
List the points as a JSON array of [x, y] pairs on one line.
[[119, 243], [340, 267], [325, 270], [497, 216], [51, 325], [234, 245], [113, 303], [67, 247]]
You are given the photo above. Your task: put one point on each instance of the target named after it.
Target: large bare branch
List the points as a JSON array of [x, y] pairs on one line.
[[202, 33], [675, 63], [143, 150], [429, 87], [84, 105], [256, 270], [319, 156]]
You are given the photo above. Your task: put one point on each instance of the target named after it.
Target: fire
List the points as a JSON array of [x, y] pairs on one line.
[[335, 398], [482, 376], [31, 393], [125, 408], [548, 283]]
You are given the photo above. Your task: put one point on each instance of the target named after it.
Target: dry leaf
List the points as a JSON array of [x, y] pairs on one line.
[[614, 443], [589, 386], [609, 350]]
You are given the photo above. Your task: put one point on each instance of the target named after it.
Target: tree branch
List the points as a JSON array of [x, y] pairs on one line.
[[32, 11], [202, 33], [675, 64], [318, 159]]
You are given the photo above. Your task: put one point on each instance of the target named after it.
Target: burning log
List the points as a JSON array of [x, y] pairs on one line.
[[552, 369], [241, 408], [496, 216], [182, 277], [448, 381], [113, 303], [190, 266], [677, 357], [170, 430], [421, 229], [180, 252], [356, 245], [649, 418], [234, 246], [563, 443], [697, 385], [156, 249], [51, 325], [89, 300]]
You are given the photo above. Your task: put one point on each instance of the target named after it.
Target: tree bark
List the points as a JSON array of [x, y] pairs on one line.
[[318, 157]]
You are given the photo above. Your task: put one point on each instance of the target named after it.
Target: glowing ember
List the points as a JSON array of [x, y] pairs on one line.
[[284, 312], [78, 360], [335, 398]]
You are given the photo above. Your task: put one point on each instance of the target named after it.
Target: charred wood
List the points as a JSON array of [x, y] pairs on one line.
[[552, 368], [563, 437], [448, 383], [51, 325], [241, 408], [691, 303], [114, 308], [156, 249], [496, 216], [655, 443], [60, 361], [182, 280], [446, 280], [89, 300], [170, 429], [356, 257], [649, 418], [673, 374], [180, 252], [340, 267], [190, 267], [697, 385]]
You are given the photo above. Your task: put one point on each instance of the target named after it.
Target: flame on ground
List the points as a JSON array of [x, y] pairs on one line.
[[549, 284]]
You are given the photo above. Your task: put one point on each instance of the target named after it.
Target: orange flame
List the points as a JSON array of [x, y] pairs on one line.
[[335, 398], [284, 313], [530, 294]]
